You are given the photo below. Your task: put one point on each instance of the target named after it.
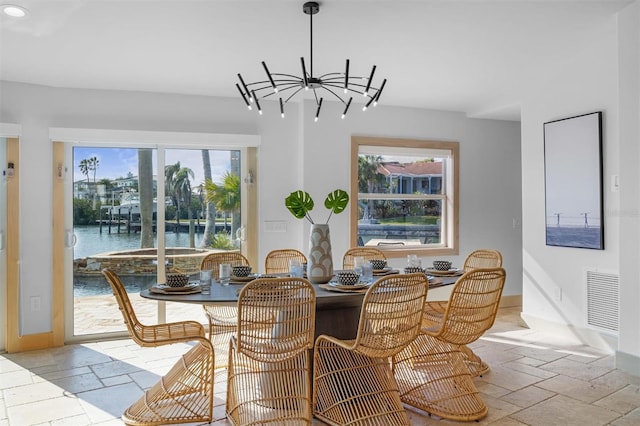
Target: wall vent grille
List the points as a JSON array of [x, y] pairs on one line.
[[603, 300]]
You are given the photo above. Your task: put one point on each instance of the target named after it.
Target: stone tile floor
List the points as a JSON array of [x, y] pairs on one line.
[[535, 379]]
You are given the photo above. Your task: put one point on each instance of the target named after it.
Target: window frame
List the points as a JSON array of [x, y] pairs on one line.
[[450, 198]]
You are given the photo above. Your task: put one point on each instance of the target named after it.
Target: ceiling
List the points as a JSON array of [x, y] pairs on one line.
[[479, 57]]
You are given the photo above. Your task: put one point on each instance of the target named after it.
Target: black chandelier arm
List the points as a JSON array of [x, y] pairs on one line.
[[267, 84], [280, 91], [340, 76], [315, 95], [333, 93], [338, 86], [293, 94], [295, 77]]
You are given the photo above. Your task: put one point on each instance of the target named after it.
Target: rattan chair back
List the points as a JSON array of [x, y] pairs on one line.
[[276, 318], [369, 253], [212, 261], [277, 261], [483, 258], [472, 306], [222, 319], [269, 361], [391, 314], [150, 335], [185, 393]]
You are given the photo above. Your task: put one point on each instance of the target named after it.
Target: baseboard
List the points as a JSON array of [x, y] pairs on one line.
[[571, 333], [628, 362], [511, 301], [31, 342]]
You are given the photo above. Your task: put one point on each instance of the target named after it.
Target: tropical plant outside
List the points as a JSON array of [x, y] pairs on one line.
[[226, 198]]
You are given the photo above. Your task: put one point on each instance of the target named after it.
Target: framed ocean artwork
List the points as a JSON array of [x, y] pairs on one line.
[[573, 182]]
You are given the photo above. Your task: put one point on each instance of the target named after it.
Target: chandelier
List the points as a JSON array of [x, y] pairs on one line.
[[286, 86]]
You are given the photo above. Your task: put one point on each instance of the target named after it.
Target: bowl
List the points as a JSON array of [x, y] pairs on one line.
[[177, 280], [441, 265], [413, 270], [241, 271], [378, 263], [347, 278]]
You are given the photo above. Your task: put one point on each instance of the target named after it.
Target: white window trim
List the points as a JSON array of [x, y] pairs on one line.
[[451, 209]]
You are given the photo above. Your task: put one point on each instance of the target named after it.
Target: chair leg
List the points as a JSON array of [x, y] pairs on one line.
[[477, 367], [432, 376], [350, 388], [268, 392], [183, 395]]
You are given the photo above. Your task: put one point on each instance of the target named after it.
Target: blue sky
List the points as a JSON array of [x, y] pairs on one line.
[[118, 162]]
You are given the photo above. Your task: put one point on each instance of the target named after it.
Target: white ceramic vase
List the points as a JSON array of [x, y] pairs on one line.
[[320, 262]]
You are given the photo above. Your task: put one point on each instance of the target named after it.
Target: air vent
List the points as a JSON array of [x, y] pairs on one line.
[[603, 300]]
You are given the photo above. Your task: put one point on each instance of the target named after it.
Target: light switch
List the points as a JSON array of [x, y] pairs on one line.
[[615, 183]]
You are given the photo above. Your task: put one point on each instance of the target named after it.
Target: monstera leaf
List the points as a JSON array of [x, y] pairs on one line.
[[336, 201], [299, 203]]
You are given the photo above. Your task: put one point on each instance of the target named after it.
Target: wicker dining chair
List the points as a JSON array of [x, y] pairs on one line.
[[277, 261], [434, 310], [222, 318], [185, 393], [369, 253], [269, 355], [430, 372], [353, 383]]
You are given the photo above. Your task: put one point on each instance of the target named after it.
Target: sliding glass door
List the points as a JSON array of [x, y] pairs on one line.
[[137, 207]]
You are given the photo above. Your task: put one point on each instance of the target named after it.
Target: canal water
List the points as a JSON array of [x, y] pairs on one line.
[[90, 242]]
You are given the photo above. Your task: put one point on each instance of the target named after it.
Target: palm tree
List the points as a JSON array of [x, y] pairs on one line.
[[182, 187], [368, 177], [226, 197], [210, 224], [84, 168], [169, 177], [145, 188], [93, 164], [178, 185]]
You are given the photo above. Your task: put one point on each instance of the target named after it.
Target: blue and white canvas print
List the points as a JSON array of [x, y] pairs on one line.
[[573, 182]]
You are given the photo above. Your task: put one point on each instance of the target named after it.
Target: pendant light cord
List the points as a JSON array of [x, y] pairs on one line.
[[311, 45]]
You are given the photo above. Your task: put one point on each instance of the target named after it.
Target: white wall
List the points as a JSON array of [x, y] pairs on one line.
[[586, 81], [294, 153], [628, 354]]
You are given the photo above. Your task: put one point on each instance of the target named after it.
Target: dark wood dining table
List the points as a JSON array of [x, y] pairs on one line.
[[337, 314]]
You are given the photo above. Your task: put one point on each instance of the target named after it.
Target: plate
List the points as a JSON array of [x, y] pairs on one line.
[[242, 279], [358, 286], [450, 272], [191, 288], [343, 290], [385, 271], [169, 289]]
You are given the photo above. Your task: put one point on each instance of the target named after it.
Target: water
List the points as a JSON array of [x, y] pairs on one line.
[[98, 285], [574, 237], [90, 241]]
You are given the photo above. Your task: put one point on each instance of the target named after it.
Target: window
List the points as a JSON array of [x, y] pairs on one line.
[[406, 195]]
